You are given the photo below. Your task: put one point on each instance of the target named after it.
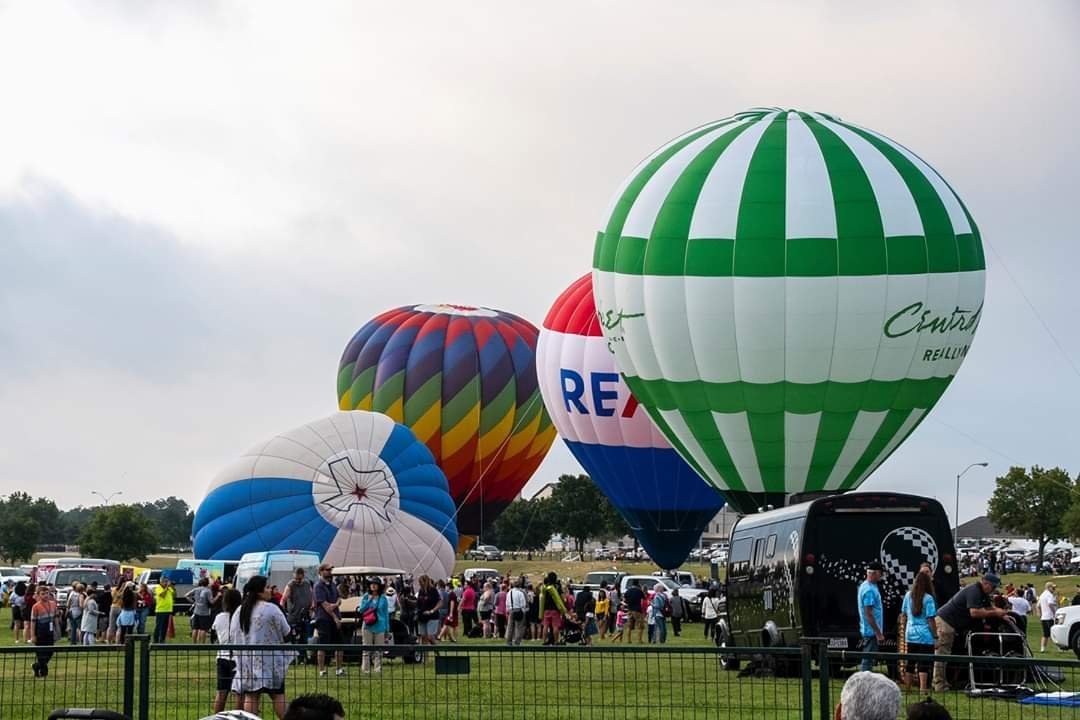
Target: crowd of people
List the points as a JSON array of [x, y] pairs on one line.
[[926, 628]]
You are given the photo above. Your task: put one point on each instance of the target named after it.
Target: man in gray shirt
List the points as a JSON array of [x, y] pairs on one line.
[[201, 598]]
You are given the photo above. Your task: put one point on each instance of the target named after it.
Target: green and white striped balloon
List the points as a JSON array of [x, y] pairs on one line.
[[788, 295]]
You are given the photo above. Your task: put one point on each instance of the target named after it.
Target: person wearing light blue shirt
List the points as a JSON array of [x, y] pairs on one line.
[[920, 609], [871, 614]]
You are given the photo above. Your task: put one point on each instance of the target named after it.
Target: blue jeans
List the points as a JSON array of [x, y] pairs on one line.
[[660, 634], [870, 645], [140, 620], [73, 629]]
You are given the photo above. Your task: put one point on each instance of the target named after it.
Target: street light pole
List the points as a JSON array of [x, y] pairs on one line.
[[956, 528], [107, 498]]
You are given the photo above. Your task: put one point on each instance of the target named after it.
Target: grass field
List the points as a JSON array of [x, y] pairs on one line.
[[685, 681]]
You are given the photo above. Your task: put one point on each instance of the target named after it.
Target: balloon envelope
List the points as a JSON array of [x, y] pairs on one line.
[[464, 379], [788, 295], [665, 502], [355, 487]]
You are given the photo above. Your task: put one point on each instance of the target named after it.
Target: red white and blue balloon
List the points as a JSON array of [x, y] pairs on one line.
[[662, 498]]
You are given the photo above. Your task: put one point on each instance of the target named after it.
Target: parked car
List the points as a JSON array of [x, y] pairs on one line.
[[62, 578], [1065, 632], [689, 593], [594, 579], [13, 574], [481, 575], [489, 553]]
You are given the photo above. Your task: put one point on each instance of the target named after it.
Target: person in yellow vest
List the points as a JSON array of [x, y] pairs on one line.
[[164, 597]]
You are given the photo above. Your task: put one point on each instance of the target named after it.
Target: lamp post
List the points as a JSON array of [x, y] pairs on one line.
[[107, 498], [956, 528]]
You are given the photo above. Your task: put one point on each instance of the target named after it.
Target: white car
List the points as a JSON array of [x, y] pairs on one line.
[[12, 574], [1065, 632]]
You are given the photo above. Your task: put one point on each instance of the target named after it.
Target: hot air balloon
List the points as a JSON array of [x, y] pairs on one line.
[[665, 502], [464, 379], [355, 487], [788, 295]]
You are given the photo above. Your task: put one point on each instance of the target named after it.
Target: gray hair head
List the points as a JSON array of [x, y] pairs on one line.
[[869, 696]]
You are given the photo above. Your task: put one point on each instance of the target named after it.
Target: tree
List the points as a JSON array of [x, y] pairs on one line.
[[121, 532], [47, 516], [74, 520], [578, 509], [523, 525], [1032, 503], [172, 519], [19, 529]]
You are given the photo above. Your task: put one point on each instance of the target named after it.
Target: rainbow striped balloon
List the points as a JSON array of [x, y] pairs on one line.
[[464, 380]]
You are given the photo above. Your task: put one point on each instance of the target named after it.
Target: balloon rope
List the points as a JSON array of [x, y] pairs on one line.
[[480, 478]]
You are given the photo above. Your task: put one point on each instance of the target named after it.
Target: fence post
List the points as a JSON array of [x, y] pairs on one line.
[[826, 706], [129, 675], [807, 675], [144, 678]]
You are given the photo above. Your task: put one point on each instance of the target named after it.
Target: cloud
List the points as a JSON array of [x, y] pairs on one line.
[[199, 205]]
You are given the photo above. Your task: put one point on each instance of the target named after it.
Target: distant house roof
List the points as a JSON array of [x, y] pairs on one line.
[[545, 492], [981, 527]]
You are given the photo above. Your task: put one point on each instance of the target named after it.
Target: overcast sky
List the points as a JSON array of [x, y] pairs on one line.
[[201, 202]]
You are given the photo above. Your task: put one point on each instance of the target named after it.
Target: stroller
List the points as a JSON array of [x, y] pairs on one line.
[[573, 633]]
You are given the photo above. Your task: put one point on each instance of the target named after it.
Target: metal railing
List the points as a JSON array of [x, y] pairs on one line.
[[178, 681]]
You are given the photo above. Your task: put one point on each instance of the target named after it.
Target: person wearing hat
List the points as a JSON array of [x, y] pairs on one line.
[[958, 616], [375, 618], [1048, 606], [328, 618], [391, 600], [871, 614]]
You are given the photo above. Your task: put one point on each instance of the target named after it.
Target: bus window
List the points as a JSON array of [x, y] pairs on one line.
[[770, 546], [759, 547], [740, 556]]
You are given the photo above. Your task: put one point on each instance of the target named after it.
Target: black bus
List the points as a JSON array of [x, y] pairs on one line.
[[794, 572]]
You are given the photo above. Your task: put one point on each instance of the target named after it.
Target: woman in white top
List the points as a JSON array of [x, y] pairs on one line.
[[260, 622], [1048, 605], [710, 611], [226, 665]]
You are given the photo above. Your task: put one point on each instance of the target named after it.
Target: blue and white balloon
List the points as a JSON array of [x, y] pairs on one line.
[[355, 487]]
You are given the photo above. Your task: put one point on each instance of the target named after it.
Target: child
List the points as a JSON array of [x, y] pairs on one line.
[[650, 621], [90, 620], [590, 629], [620, 622]]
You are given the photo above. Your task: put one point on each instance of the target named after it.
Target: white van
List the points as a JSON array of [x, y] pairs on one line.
[[277, 565]]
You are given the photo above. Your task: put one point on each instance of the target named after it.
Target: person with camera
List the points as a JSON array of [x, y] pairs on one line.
[[298, 601]]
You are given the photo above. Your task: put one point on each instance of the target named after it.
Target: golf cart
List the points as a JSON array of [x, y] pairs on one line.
[[399, 641]]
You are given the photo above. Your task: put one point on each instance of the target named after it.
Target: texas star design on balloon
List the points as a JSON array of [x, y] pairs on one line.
[[370, 489], [354, 487], [794, 293]]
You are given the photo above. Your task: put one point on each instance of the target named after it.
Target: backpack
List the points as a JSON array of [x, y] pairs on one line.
[[666, 609]]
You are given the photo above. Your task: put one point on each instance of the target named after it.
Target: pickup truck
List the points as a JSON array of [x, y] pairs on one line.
[[593, 580]]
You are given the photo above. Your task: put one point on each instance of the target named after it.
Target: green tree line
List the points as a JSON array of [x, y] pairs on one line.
[[122, 532]]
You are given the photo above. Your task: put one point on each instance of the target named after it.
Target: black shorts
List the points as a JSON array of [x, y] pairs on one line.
[[1047, 624], [270, 691], [200, 622], [329, 632], [226, 671], [485, 615], [922, 666]]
